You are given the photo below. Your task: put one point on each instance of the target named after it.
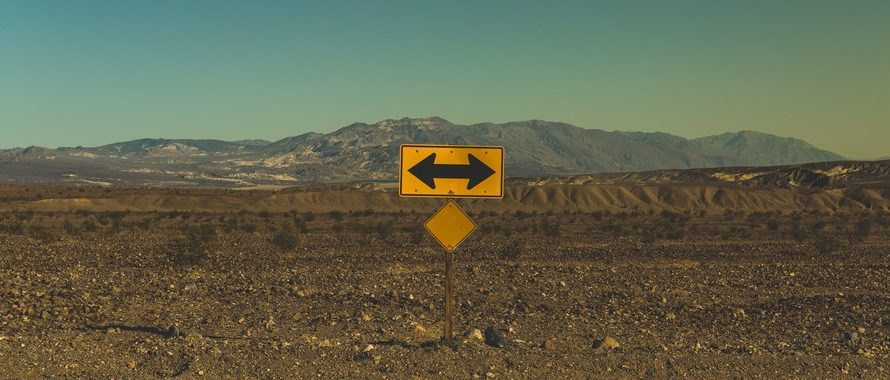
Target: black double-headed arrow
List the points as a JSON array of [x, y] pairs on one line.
[[427, 171]]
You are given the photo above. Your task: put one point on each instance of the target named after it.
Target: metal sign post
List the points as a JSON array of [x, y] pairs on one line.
[[448, 332]]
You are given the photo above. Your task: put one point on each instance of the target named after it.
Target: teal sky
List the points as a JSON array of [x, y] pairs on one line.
[[95, 72]]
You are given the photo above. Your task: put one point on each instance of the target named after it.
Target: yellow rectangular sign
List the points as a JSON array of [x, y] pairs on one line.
[[451, 171]]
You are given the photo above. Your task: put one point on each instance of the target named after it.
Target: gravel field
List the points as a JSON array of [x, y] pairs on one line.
[[360, 295]]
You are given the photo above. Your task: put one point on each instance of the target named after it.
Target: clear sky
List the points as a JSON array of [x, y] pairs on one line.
[[94, 72]]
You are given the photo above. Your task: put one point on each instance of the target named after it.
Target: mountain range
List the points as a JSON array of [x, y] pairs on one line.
[[369, 152]]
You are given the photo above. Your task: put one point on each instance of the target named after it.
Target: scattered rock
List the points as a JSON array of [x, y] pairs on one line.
[[549, 345], [607, 343], [670, 316], [172, 331], [738, 312], [365, 353], [852, 339], [475, 334], [495, 338]]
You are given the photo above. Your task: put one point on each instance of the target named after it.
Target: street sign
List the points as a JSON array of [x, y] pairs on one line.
[[451, 171], [450, 226]]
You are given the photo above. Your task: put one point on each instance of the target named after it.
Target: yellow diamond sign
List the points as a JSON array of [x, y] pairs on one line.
[[450, 226]]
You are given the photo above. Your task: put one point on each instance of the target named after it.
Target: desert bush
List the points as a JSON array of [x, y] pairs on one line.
[[285, 240], [816, 226], [89, 225], [826, 244], [102, 219], [382, 230], [797, 233], [301, 225], [672, 231], [41, 233], [612, 228], [13, 228], [248, 227], [416, 235], [309, 216], [512, 250], [229, 224], [191, 248], [337, 216], [70, 228], [115, 226], [144, 224], [861, 230], [550, 227], [202, 232]]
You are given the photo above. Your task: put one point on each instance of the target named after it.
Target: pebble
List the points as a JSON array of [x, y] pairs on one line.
[[607, 343], [475, 334], [173, 331], [738, 312], [495, 338], [549, 345], [670, 316]]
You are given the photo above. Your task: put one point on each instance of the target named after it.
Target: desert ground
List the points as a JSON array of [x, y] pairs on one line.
[[135, 283]]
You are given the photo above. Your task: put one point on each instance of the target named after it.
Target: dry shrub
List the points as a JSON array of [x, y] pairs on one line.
[[285, 240]]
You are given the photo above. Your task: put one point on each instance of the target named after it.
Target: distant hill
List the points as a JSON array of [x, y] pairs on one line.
[[361, 152], [827, 187], [761, 149]]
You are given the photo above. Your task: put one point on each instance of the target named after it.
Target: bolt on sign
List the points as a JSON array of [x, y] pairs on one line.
[[451, 171]]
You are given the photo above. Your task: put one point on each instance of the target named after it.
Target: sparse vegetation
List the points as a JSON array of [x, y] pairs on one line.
[[191, 248], [285, 240], [826, 244], [512, 250]]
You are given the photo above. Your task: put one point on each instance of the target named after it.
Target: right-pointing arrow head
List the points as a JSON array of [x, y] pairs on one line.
[[478, 172]]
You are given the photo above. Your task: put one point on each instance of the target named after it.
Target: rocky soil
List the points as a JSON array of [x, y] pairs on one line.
[[361, 296]]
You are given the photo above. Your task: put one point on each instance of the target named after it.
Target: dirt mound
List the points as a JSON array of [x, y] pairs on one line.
[[525, 198]]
